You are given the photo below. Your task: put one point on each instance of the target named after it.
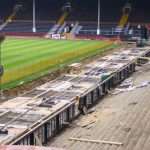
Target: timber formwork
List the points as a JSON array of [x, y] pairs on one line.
[[30, 123]]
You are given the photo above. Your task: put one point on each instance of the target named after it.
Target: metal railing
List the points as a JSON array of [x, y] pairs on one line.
[[112, 32]]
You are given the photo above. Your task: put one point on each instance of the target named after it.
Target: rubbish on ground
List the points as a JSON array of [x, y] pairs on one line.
[[142, 84], [128, 80], [133, 103], [128, 85], [89, 111], [21, 82], [96, 116], [125, 88], [127, 129], [51, 101], [100, 71], [89, 123]]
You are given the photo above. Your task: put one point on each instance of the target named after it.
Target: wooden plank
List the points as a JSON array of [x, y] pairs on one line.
[[95, 141]]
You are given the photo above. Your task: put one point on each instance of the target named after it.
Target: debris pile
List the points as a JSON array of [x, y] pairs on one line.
[[93, 116], [128, 85]]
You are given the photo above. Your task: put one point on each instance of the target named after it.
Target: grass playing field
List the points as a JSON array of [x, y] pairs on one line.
[[24, 58]]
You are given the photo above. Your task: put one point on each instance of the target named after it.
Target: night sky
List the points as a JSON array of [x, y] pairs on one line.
[[140, 4], [83, 7]]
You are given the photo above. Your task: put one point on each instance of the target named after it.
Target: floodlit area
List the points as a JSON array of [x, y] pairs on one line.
[[24, 59]]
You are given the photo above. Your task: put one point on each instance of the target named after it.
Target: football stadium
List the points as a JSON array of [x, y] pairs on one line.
[[74, 75]]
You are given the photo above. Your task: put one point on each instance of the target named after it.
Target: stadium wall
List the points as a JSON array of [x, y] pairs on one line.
[[25, 34]]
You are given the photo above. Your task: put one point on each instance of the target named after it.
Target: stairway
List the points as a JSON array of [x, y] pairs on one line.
[[124, 19], [119, 29], [62, 18], [54, 29], [76, 29], [60, 25]]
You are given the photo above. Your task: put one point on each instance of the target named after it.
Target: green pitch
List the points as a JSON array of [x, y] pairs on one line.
[[24, 58]]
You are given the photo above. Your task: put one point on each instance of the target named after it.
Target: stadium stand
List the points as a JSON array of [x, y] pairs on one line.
[[79, 13], [86, 28], [42, 27], [60, 23], [93, 26]]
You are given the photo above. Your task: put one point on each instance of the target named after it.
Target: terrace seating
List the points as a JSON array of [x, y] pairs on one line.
[[103, 26], [27, 27], [108, 29], [88, 28], [54, 29]]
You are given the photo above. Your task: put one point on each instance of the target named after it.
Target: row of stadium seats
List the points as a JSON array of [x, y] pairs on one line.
[[27, 27], [109, 29], [93, 26], [44, 27], [87, 28]]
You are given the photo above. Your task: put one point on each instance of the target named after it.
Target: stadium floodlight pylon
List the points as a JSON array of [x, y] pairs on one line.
[[66, 10], [16, 8]]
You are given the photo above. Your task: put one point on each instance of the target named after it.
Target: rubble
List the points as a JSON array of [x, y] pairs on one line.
[[142, 84], [128, 85]]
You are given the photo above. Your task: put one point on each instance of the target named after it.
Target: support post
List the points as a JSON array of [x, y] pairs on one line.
[[34, 26], [98, 24]]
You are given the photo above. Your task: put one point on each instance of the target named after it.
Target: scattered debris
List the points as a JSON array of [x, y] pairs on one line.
[[128, 80], [133, 103], [21, 82], [50, 101], [89, 123], [128, 85], [142, 84], [45, 105], [4, 131], [123, 126], [89, 111], [100, 71], [127, 129], [121, 90], [93, 116], [67, 123], [85, 110]]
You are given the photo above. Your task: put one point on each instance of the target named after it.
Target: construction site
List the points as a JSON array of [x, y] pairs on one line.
[[98, 101]]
